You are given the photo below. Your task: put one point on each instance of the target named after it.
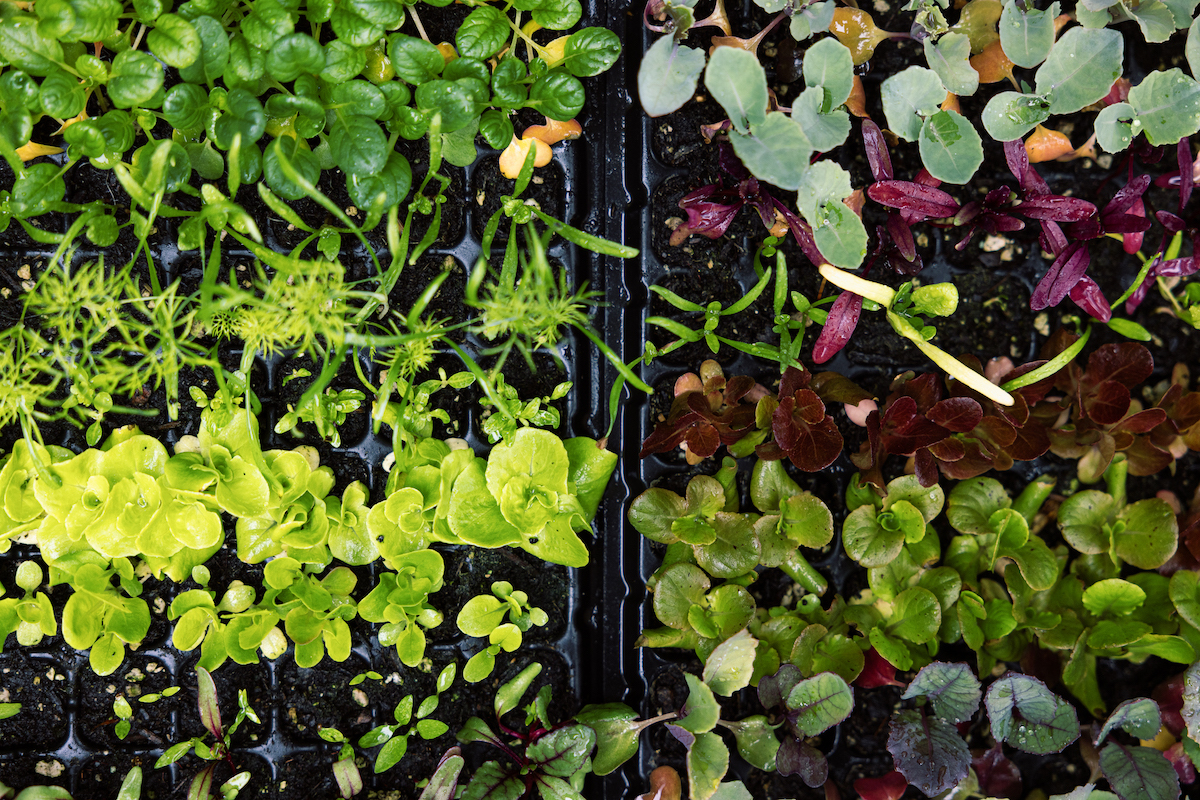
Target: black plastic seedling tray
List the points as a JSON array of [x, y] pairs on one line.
[[620, 181]]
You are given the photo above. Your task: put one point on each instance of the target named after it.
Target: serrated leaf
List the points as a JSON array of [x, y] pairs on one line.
[[737, 81], [667, 77], [951, 149], [953, 690], [730, 666], [1081, 68], [928, 752], [707, 763], [1027, 715]]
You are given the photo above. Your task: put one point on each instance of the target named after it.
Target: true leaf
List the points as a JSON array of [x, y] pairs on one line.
[[908, 97], [1139, 717], [1027, 715], [928, 752], [950, 58], [1011, 115], [737, 81], [1139, 773], [667, 77], [818, 703], [707, 763], [1081, 68], [1166, 105], [1027, 34], [953, 690], [777, 151], [950, 147], [731, 665]]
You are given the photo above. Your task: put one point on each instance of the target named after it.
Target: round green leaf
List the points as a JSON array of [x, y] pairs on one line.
[[667, 77], [214, 52], [591, 51], [950, 147], [415, 60], [1026, 33], [136, 79], [1081, 68], [174, 40], [482, 34], [294, 55], [738, 82], [908, 97], [557, 95], [918, 615], [1167, 107], [777, 151], [359, 146]]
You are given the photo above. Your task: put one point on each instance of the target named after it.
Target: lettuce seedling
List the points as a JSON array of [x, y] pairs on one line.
[[32, 616], [395, 743], [483, 616], [534, 492], [102, 617], [315, 612], [876, 530], [401, 602]]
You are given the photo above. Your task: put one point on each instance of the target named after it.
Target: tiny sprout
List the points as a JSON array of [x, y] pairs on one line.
[[362, 676], [123, 713]]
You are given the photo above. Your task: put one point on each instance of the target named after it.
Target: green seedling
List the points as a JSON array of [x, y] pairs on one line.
[[484, 615], [394, 738], [210, 715]]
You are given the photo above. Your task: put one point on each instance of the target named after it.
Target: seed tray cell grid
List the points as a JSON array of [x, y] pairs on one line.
[[71, 746]]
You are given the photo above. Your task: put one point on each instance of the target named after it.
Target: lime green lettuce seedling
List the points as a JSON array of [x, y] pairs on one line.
[[483, 616], [401, 602], [31, 617], [535, 492]]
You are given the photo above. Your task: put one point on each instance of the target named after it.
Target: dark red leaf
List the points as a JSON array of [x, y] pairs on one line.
[[927, 201], [1144, 421], [1031, 442], [914, 433], [877, 152], [702, 440], [925, 467], [839, 326], [1087, 295], [803, 431], [925, 179], [958, 414], [1180, 760], [737, 388], [877, 671], [794, 380], [1146, 459], [1177, 268], [706, 219], [1052, 238], [1172, 223], [1031, 182], [886, 787], [1128, 363], [1169, 696], [1057, 208], [950, 449], [926, 389], [974, 463], [1185, 412], [802, 233], [1064, 273], [796, 757], [1107, 403], [902, 237], [1127, 196], [998, 776]]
